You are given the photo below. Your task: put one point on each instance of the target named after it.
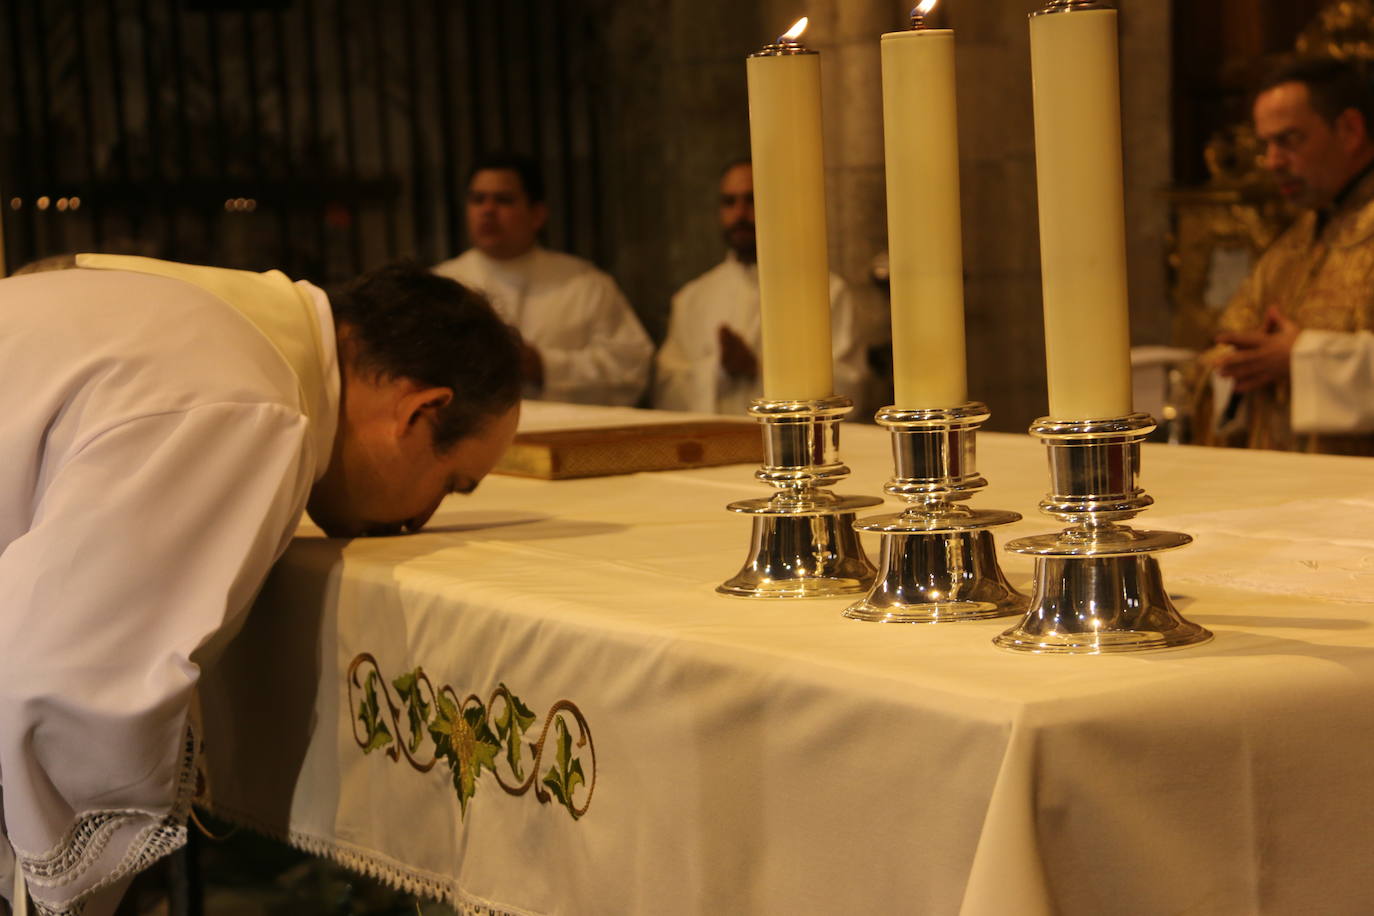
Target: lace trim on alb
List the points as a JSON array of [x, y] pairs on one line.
[[83, 844], [415, 883]]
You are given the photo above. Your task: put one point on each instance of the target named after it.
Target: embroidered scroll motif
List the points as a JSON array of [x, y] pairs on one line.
[[470, 736]]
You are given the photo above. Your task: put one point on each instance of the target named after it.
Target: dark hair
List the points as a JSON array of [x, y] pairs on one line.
[[525, 168], [43, 265], [1333, 86], [409, 323], [734, 164]]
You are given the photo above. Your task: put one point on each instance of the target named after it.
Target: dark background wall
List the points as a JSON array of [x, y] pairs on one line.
[[320, 136], [329, 136], [1222, 49]]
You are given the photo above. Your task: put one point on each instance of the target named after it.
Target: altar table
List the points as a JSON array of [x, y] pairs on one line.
[[681, 752]]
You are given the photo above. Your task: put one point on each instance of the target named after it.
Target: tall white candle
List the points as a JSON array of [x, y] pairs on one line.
[[789, 221], [925, 257], [1082, 215]]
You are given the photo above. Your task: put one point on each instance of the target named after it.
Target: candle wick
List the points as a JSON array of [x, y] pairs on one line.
[[920, 12]]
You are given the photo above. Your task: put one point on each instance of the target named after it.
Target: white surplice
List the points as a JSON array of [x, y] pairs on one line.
[[1333, 382], [158, 448], [594, 349], [688, 373]]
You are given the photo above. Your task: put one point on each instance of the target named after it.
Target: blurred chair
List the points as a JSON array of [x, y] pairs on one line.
[[1161, 385]]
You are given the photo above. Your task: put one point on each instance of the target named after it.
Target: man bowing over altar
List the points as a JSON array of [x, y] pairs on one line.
[[165, 427]]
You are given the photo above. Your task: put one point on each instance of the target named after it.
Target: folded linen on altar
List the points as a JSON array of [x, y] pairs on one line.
[[1316, 548]]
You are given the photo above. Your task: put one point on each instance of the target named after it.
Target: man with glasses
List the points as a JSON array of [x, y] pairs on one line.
[[1294, 341]]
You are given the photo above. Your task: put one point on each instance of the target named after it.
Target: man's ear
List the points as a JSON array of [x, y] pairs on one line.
[[540, 214], [420, 404], [1352, 129]]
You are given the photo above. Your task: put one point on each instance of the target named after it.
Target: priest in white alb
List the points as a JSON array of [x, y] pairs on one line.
[[165, 427], [583, 342], [709, 362]]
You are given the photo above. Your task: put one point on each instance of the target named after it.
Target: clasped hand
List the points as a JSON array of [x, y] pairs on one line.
[[1259, 358], [736, 356]]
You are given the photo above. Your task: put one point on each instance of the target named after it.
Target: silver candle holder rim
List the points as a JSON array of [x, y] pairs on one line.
[[1072, 6], [797, 508], [1102, 541], [972, 413], [782, 409], [913, 521], [783, 46], [1133, 425], [784, 49]]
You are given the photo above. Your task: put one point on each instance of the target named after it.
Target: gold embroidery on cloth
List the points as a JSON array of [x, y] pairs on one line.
[[469, 735]]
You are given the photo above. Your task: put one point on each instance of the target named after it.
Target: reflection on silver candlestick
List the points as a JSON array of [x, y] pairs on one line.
[[1097, 589], [1072, 6], [804, 544], [938, 561]]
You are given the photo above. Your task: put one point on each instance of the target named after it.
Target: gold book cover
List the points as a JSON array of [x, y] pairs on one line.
[[565, 453]]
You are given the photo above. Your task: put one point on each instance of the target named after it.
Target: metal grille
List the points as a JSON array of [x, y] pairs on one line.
[[319, 136]]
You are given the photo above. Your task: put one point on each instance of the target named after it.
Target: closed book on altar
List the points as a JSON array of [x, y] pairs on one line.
[[597, 452]]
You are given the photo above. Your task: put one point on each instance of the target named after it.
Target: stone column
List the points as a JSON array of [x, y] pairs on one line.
[[680, 112]]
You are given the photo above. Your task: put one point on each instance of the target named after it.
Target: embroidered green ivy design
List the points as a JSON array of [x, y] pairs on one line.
[[565, 776], [377, 734], [417, 710], [511, 724], [470, 736], [462, 737]]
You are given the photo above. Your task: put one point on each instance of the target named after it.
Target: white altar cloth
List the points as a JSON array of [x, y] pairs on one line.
[[774, 757]]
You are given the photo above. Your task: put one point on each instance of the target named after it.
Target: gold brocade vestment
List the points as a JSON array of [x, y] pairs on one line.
[[1321, 280]]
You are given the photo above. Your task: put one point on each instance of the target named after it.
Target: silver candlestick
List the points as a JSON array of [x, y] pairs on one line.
[[938, 561], [804, 544], [1097, 589]]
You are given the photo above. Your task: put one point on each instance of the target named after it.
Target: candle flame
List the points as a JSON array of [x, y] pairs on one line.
[[794, 33], [925, 7]]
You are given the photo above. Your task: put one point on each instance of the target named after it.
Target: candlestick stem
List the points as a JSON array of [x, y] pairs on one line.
[[803, 544], [937, 558], [1097, 587]]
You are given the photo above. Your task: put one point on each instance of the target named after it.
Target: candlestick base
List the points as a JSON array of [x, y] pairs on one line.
[[937, 561], [1097, 587], [803, 543]]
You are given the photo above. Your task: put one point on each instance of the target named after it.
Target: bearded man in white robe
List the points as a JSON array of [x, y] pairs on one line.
[[709, 361]]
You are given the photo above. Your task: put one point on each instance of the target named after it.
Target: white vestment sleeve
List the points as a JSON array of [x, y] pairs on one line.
[[1333, 382], [851, 358], [148, 543], [613, 367], [687, 368]]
